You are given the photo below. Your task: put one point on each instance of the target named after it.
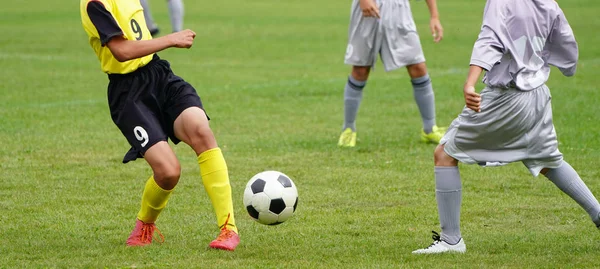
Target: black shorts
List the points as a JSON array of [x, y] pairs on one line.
[[145, 103]]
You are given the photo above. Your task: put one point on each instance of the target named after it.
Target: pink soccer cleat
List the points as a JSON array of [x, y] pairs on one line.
[[142, 234], [227, 240]]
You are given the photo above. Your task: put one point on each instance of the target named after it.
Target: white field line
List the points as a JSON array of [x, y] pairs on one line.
[[33, 57], [70, 103], [54, 57], [591, 62], [50, 57], [280, 83], [342, 79]]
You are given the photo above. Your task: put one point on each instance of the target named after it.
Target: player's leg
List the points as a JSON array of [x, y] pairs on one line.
[[188, 122], [448, 194], [192, 127], [149, 20], [133, 109], [176, 13], [402, 47], [470, 140], [547, 159], [353, 94], [425, 99], [158, 189], [363, 45], [424, 96], [568, 181]]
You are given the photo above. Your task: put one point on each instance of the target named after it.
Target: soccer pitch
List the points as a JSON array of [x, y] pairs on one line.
[[271, 77]]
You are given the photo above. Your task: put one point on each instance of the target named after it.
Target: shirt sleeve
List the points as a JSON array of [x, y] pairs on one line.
[[488, 48], [104, 22], [562, 46]]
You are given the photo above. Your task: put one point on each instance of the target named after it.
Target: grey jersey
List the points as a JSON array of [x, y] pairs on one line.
[[520, 39]]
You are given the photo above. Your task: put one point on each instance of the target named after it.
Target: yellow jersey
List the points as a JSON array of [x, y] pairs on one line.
[[105, 19]]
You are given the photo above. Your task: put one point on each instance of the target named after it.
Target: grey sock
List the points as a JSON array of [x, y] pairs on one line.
[[176, 13], [568, 181], [148, 15], [353, 92], [448, 193], [425, 99]]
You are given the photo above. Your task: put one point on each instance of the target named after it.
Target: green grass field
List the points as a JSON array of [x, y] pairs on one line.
[[271, 76]]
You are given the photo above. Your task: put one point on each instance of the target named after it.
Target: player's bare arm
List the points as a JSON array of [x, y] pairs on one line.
[[434, 23], [125, 50], [369, 8], [472, 99]]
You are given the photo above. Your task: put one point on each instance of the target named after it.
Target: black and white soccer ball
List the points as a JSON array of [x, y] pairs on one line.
[[270, 197]]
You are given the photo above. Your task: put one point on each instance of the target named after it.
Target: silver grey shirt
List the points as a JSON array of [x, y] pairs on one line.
[[518, 41]]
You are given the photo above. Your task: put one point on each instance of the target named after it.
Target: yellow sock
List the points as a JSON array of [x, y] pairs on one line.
[[215, 177], [154, 201]]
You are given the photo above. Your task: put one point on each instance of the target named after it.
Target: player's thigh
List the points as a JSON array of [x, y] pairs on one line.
[[192, 128], [185, 115], [401, 45], [363, 39], [537, 166], [400, 50], [404, 52], [503, 131], [137, 121], [162, 158], [543, 149]]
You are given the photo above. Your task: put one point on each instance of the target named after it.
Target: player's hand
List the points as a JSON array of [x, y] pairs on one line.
[[472, 99], [436, 29], [183, 39], [369, 8]]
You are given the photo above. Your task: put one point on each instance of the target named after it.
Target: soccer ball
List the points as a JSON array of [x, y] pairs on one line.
[[270, 197]]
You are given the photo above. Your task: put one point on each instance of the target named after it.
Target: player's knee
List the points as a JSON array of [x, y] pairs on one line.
[[360, 73], [202, 139], [441, 158], [167, 175], [438, 153], [417, 70]]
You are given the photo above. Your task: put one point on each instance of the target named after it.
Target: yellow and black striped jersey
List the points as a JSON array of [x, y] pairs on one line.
[[105, 19]]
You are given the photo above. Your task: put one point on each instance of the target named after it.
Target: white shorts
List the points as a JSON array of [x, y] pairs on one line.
[[393, 36], [512, 126]]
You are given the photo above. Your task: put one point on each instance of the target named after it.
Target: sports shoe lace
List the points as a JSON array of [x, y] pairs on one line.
[[436, 239], [147, 233], [225, 234], [346, 137]]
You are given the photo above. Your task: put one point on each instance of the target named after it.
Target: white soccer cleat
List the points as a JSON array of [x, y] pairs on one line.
[[439, 246]]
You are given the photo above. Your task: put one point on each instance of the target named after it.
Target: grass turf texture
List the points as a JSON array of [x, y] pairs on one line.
[[271, 76]]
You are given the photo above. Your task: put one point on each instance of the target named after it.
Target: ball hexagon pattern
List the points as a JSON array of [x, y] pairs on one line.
[[270, 197]]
